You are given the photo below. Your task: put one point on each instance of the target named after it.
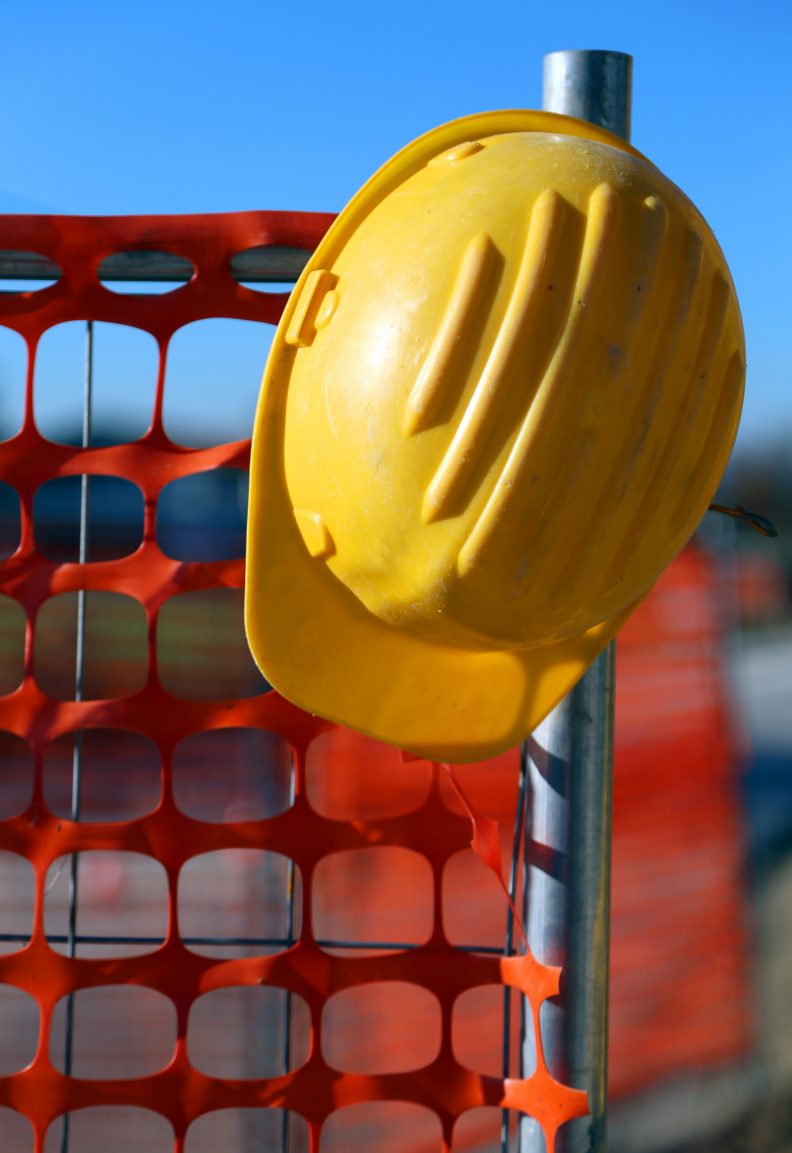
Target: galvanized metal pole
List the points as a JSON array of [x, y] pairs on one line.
[[570, 764], [591, 85]]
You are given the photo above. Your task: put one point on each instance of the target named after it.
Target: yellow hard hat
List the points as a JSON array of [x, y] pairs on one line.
[[497, 405]]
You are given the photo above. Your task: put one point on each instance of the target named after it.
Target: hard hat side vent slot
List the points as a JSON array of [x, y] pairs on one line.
[[718, 444], [472, 291], [685, 264], [672, 426], [710, 345], [521, 486], [520, 325], [644, 325]]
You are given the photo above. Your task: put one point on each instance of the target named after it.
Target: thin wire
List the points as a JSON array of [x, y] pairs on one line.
[[79, 689], [258, 942], [287, 1010], [754, 520], [519, 822], [526, 1017]]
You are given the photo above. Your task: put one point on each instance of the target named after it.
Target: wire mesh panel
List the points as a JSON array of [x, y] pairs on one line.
[[226, 924]]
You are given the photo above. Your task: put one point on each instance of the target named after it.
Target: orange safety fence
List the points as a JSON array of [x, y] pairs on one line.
[[254, 930], [681, 990], [681, 997]]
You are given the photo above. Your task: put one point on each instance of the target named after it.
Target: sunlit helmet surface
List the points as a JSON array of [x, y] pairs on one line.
[[498, 404]]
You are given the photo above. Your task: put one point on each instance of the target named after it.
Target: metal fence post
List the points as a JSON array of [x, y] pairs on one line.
[[570, 764]]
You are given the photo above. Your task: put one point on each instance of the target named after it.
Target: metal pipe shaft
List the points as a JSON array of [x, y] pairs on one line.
[[591, 85], [570, 763]]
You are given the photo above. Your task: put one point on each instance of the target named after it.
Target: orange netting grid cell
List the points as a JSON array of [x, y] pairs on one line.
[[268, 946]]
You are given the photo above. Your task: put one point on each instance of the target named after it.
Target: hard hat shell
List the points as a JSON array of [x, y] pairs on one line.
[[498, 403]]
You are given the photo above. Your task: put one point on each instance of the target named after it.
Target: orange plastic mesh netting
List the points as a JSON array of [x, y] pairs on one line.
[[335, 1010], [681, 989]]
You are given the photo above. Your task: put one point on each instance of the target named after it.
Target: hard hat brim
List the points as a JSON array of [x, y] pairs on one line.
[[320, 648], [310, 636]]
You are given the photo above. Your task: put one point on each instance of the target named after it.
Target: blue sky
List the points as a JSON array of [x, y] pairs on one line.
[[197, 107]]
